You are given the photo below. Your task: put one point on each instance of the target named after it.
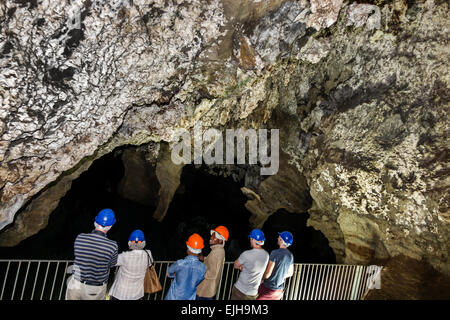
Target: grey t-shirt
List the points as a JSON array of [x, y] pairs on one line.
[[254, 263]]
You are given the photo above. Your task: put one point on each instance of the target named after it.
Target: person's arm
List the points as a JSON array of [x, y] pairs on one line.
[[290, 271], [172, 270], [269, 270], [240, 262], [238, 265], [120, 259], [113, 261]]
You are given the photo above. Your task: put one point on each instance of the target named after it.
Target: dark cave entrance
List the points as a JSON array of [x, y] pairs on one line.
[[310, 245], [203, 200]]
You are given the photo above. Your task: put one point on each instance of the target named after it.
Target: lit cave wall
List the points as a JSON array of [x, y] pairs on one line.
[[92, 90]]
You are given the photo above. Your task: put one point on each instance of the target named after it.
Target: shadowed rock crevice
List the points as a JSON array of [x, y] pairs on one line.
[[310, 245]]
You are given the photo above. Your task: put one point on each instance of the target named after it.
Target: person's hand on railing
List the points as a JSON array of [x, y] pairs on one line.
[[171, 275], [69, 269]]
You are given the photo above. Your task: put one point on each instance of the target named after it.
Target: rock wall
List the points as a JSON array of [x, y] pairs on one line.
[[359, 92], [377, 159], [140, 183]]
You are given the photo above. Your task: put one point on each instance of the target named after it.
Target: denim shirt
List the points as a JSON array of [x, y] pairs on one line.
[[187, 274]]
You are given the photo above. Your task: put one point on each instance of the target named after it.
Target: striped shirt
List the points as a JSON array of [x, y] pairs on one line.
[[95, 254]]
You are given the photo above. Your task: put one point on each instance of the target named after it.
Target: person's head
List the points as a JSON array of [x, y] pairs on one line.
[[219, 235], [194, 244], [136, 241], [256, 238], [104, 220], [285, 239]]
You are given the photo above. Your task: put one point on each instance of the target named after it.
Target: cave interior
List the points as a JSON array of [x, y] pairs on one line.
[[202, 201]]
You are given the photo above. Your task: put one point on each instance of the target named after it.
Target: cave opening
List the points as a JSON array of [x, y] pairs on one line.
[[204, 199], [310, 245]]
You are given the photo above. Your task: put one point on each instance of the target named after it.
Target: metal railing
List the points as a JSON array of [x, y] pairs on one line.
[[46, 280]]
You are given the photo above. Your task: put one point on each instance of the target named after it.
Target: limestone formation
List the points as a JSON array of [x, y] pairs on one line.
[[140, 183], [359, 91], [168, 175], [286, 190]]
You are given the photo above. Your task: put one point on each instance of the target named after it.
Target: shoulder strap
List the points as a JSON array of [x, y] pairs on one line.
[[149, 259]]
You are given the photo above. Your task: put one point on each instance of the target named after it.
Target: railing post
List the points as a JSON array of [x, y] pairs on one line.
[[226, 279], [305, 272], [54, 280], [318, 282], [297, 280], [4, 281], [308, 282], [332, 282], [15, 281], [293, 283], [159, 277], [308, 279], [25, 281], [35, 279], [356, 282], [45, 280], [220, 281], [323, 282], [347, 282], [314, 283], [167, 264], [363, 283], [63, 280]]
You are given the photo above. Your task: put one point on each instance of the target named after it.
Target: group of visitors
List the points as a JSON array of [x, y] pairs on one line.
[[195, 277]]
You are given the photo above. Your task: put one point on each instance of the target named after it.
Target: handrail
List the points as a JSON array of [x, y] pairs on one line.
[[31, 279]]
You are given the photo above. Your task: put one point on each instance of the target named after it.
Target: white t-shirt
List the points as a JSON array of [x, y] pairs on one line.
[[254, 263]]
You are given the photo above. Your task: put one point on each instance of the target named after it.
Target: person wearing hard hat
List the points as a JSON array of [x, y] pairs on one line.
[[95, 254], [187, 273], [129, 281], [252, 264], [214, 261], [280, 267]]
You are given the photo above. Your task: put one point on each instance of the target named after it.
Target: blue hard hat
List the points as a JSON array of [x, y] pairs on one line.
[[257, 234], [105, 218], [136, 235], [287, 237]]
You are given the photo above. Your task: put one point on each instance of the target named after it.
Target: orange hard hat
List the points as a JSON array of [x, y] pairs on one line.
[[223, 231], [195, 241]]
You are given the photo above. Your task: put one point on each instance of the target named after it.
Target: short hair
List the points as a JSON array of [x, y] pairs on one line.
[[100, 227], [136, 245]]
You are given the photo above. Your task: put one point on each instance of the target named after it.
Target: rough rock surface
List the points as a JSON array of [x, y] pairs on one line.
[[377, 161], [70, 74], [360, 93], [285, 190]]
